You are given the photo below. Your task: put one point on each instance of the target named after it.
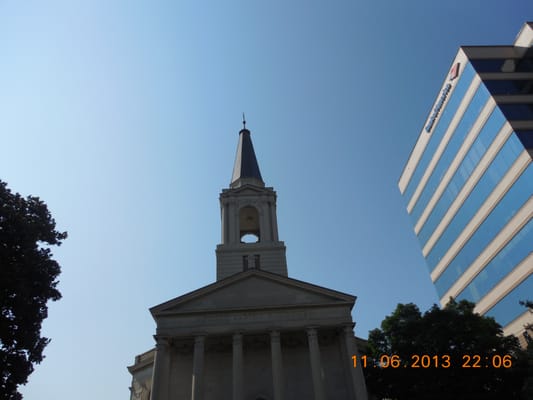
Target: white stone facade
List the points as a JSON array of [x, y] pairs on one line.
[[255, 335]]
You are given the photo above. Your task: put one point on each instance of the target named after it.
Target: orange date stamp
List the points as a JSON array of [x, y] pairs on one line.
[[433, 361]]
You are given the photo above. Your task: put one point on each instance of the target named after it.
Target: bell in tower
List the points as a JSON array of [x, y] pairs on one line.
[[249, 222]]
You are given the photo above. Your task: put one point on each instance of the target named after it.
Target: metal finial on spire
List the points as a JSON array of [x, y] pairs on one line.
[[243, 121]]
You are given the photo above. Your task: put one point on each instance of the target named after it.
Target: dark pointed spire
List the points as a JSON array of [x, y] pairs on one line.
[[246, 169]]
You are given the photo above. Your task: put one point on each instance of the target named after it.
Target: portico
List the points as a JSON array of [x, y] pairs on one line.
[[214, 342]]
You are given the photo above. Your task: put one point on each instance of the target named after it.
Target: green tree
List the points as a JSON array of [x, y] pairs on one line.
[[28, 279], [528, 334], [459, 355]]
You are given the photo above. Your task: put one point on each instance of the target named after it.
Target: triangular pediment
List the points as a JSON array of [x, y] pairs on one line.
[[253, 290]]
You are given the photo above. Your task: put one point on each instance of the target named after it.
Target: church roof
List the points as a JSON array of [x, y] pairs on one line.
[[246, 169]]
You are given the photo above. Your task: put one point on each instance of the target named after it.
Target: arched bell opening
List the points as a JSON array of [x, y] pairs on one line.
[[249, 227], [249, 238]]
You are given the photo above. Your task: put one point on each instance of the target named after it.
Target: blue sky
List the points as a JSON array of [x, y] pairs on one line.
[[123, 116]]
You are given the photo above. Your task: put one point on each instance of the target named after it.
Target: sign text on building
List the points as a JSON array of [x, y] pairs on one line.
[[438, 107]]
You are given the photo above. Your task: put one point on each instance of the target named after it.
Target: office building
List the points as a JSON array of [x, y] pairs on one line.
[[468, 182]]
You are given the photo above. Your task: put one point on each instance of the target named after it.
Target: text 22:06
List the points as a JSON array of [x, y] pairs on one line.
[[435, 361]]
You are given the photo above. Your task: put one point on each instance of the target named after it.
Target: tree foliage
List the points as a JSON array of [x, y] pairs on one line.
[[528, 334], [463, 356], [28, 279], [528, 327]]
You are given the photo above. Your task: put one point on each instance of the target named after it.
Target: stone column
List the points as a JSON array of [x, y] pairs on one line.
[[264, 220], [316, 365], [357, 377], [274, 222], [237, 223], [198, 368], [224, 224], [231, 222], [237, 367], [277, 366], [161, 372]]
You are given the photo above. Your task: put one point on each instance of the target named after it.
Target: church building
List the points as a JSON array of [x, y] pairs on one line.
[[255, 333]]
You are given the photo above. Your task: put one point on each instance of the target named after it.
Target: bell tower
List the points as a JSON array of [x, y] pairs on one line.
[[249, 222]]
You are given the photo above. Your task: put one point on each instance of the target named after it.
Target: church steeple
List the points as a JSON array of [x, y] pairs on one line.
[[246, 169], [249, 222]]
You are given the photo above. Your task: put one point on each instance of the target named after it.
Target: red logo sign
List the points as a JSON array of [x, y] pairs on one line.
[[454, 72]]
